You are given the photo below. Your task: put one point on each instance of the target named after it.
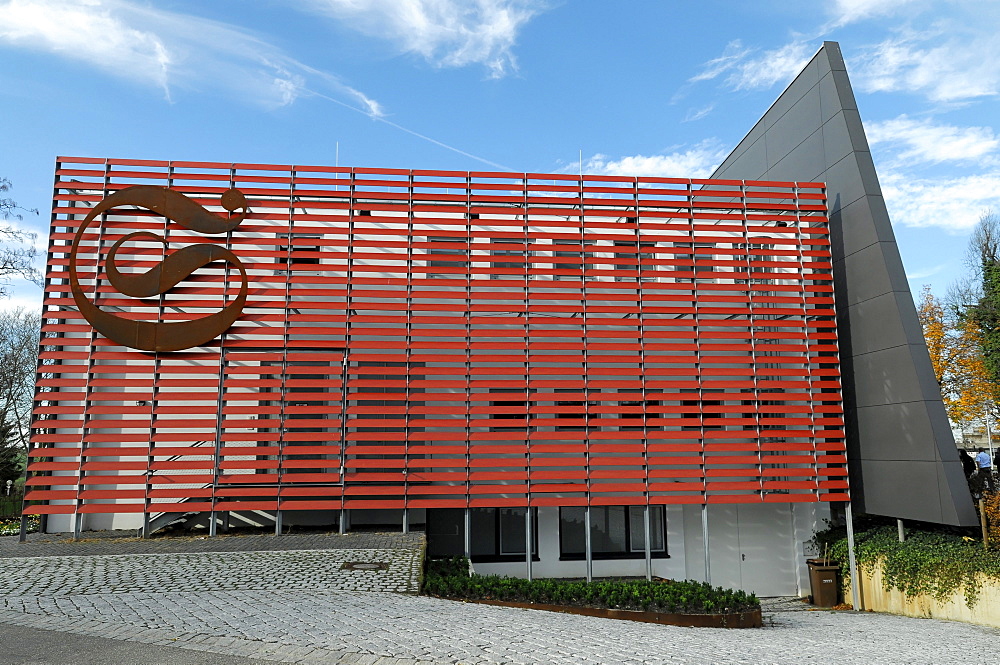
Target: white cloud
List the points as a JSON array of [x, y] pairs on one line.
[[731, 57], [924, 141], [954, 204], [926, 272], [86, 31], [697, 114], [849, 11], [748, 69], [948, 56], [166, 49], [947, 64], [696, 162], [448, 33]]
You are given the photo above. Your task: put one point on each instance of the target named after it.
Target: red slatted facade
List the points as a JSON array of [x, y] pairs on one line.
[[433, 339]]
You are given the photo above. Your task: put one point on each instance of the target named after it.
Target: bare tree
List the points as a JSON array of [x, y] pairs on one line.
[[17, 249], [19, 334], [984, 243]]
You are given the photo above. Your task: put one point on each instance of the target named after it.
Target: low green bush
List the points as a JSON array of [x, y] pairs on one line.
[[449, 578]]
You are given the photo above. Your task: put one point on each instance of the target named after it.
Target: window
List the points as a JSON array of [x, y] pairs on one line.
[[301, 254], [637, 420], [498, 262], [575, 266], [517, 410], [574, 415], [616, 532], [462, 262], [395, 396], [631, 256], [290, 416], [497, 533], [296, 402]]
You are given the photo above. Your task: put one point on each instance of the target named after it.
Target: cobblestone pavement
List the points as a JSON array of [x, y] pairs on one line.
[[316, 612], [125, 542]]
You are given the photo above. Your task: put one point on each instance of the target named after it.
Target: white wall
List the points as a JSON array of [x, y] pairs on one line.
[[755, 547]]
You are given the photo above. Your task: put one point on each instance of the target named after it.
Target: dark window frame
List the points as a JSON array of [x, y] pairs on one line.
[[498, 556], [629, 553]]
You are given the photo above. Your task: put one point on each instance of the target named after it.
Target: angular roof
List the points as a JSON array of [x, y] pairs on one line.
[[901, 453]]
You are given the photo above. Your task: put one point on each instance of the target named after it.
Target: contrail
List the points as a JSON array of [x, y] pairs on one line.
[[379, 118]]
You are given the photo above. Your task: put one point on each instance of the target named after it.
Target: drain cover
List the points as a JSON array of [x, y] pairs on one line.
[[365, 565]]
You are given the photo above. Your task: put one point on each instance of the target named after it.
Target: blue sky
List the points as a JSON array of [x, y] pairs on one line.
[[637, 88]]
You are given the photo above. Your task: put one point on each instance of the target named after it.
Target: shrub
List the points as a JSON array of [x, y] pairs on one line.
[[449, 578], [931, 562]]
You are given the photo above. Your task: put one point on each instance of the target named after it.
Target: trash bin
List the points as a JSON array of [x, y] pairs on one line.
[[823, 581]]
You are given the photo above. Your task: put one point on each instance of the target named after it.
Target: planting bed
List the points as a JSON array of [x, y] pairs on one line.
[[666, 602]]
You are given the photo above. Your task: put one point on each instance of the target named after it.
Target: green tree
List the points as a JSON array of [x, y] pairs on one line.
[[978, 297], [986, 314], [10, 453]]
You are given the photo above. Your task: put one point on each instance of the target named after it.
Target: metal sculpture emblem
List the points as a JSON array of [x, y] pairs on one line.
[[174, 268]]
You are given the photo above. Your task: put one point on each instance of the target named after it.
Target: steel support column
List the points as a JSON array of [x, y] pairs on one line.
[[704, 536], [467, 528], [649, 546], [855, 582], [528, 540]]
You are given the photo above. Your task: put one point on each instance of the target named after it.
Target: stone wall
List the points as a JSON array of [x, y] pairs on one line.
[[985, 612]]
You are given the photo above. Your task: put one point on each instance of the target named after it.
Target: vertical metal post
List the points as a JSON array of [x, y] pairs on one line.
[[704, 537], [23, 533], [989, 434], [794, 547], [77, 525], [983, 525], [588, 552], [277, 522], [145, 522], [342, 521], [855, 581], [649, 546], [467, 528], [213, 517], [406, 520], [901, 532], [528, 539]]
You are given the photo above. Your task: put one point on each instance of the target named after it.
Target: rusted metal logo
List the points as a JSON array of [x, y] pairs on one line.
[[174, 268]]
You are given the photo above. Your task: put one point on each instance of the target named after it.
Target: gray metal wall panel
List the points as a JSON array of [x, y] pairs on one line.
[[896, 431], [895, 330], [882, 270], [903, 459], [806, 159], [861, 225]]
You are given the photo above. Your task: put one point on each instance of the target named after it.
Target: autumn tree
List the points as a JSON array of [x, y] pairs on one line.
[[955, 344]]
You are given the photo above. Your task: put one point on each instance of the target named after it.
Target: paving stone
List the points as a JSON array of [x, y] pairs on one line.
[[261, 597]]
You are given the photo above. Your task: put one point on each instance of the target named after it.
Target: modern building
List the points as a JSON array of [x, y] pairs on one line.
[[558, 375]]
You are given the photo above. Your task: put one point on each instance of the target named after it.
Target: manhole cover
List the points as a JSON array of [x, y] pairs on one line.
[[365, 565]]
